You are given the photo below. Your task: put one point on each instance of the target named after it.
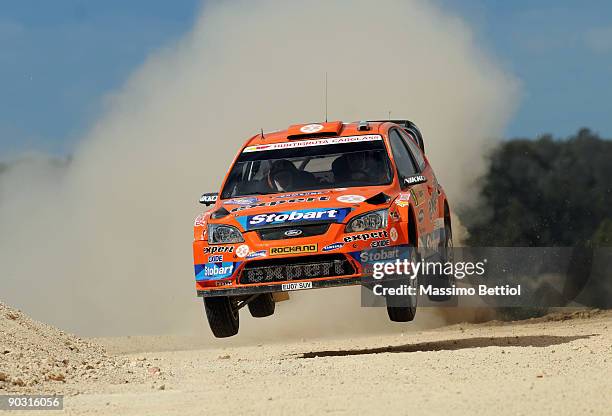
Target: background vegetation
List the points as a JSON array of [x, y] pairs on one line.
[[545, 192]]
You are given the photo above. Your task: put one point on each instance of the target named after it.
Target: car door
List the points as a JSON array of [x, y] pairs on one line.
[[407, 165], [431, 189]]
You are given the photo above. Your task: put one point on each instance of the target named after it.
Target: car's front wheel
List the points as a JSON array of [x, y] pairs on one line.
[[222, 316], [404, 308]]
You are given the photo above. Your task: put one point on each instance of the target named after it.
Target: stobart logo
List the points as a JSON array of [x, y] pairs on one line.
[[298, 216]]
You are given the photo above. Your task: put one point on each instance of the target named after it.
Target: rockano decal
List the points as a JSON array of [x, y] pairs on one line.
[[306, 248]]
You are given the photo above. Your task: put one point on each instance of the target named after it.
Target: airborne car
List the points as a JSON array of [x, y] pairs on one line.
[[314, 206]]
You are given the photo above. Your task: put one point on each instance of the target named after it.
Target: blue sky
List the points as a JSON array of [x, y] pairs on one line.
[[58, 59]]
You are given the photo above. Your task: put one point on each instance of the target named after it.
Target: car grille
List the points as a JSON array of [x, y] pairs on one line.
[[278, 233], [296, 268]]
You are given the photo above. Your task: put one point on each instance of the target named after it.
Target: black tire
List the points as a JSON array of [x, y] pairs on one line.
[[401, 313], [262, 306], [223, 319], [408, 312], [446, 253]]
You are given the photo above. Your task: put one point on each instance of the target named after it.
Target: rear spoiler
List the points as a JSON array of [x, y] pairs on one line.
[[408, 126]]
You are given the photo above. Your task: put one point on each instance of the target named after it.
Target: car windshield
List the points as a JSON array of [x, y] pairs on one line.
[[309, 164]]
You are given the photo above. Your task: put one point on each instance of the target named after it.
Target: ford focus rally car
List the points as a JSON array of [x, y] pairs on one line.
[[315, 206]]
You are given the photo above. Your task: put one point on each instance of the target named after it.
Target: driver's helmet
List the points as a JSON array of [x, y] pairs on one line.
[[282, 175], [358, 164]]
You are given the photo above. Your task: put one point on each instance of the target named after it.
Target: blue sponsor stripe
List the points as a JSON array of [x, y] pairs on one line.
[[290, 217], [215, 271]]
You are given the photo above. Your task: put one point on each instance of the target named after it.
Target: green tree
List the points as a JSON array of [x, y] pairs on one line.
[[544, 192]]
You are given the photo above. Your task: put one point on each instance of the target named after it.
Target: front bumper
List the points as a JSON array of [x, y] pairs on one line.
[[269, 288]]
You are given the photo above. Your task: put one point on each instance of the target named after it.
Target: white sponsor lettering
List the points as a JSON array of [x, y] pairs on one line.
[[314, 142], [292, 216]]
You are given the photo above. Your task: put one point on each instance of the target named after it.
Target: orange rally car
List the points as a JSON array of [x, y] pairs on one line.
[[315, 206]]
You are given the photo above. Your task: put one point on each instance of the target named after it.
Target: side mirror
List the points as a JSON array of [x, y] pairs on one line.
[[208, 199], [414, 180]]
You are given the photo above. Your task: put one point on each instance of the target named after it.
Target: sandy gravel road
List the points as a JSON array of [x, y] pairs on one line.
[[558, 365]]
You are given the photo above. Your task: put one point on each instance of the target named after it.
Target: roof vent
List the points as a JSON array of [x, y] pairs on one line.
[[363, 126]]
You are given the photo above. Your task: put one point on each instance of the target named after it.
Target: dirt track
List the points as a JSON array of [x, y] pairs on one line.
[[557, 365]]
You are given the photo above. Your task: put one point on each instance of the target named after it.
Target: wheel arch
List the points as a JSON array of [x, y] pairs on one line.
[[447, 213], [413, 232]]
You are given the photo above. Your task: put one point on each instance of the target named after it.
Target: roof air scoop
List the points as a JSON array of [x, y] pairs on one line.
[[314, 130]]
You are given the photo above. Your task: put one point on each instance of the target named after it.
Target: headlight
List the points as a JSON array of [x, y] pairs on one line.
[[223, 234], [374, 220]]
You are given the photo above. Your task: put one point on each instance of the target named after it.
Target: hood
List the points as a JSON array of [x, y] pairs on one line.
[[346, 201]]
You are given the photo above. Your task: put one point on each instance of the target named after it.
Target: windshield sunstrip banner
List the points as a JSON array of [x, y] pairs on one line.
[[315, 142], [288, 217]]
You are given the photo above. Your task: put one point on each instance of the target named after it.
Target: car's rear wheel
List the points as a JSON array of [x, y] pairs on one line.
[[446, 255], [262, 306], [402, 313], [222, 316]]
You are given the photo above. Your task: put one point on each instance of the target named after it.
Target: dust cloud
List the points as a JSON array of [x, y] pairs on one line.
[[102, 245]]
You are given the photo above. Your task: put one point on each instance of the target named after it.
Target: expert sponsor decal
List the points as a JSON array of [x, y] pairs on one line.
[[351, 199], [214, 271], [297, 200], [332, 247], [304, 248], [365, 236], [218, 249], [298, 216], [256, 254], [315, 142], [242, 250]]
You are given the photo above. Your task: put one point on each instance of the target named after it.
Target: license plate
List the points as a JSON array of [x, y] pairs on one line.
[[297, 286]]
